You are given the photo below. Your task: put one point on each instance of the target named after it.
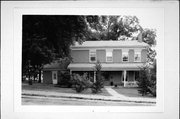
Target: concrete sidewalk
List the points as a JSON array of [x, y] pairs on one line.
[[115, 96]]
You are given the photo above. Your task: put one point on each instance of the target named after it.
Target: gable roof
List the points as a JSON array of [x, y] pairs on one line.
[[127, 43]]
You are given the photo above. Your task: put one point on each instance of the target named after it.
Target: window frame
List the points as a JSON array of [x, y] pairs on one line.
[[109, 50], [137, 52], [127, 52], [90, 52]]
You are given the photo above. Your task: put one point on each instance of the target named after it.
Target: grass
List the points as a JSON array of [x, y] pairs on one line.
[[130, 92], [56, 88]]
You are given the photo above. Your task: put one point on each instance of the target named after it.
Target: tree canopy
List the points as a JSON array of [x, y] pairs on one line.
[[112, 27], [47, 37], [120, 28]]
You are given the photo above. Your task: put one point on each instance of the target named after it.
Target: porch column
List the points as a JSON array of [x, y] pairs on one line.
[[70, 74], [94, 76], [134, 76], [124, 78]]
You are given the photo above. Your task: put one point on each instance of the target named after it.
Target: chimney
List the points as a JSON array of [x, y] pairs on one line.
[[139, 37]]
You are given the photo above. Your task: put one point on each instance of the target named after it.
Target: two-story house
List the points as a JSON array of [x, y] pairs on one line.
[[120, 60]]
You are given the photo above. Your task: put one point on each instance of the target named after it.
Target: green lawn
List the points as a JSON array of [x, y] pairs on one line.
[[56, 88], [129, 92]]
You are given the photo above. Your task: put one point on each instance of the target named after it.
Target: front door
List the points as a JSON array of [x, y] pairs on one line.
[[54, 77]]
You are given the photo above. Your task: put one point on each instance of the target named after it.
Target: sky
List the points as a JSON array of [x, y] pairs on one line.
[[148, 17], [152, 18]]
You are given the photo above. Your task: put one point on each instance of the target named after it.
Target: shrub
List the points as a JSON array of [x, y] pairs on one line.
[[147, 82], [65, 80], [152, 87], [99, 83], [111, 83], [81, 82], [115, 85]]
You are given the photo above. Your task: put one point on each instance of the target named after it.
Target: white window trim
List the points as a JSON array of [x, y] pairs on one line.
[[139, 54], [125, 52], [94, 50], [109, 50]]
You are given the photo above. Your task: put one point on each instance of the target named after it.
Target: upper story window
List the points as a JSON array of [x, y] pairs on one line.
[[109, 55], [137, 56], [92, 55], [125, 57]]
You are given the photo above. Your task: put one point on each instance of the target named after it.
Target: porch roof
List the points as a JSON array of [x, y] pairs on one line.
[[105, 66]]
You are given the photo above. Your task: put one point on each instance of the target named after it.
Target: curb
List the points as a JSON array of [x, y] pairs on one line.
[[90, 98]]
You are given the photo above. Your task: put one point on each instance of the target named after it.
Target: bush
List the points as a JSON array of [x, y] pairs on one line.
[[152, 86], [81, 82], [147, 82], [111, 83], [65, 80], [99, 83]]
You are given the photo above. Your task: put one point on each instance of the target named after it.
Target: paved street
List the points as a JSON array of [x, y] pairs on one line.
[[39, 100]]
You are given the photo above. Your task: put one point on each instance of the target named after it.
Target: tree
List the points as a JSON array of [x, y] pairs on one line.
[[152, 87], [120, 28], [112, 27], [147, 80], [144, 81], [47, 37], [149, 36], [99, 82]]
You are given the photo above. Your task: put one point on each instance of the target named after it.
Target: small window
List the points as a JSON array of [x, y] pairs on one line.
[[137, 57], [109, 56], [125, 56], [92, 56]]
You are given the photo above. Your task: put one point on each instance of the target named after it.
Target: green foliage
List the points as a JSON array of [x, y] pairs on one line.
[[65, 79], [47, 37], [120, 28], [152, 88], [81, 82], [111, 27], [99, 83], [149, 36], [151, 55], [147, 81]]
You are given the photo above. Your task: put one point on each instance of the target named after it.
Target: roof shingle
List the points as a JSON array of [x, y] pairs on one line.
[[133, 43]]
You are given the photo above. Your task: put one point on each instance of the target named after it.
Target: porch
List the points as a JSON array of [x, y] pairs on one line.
[[124, 74]]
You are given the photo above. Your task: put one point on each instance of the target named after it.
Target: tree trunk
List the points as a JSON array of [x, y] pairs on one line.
[[39, 76], [30, 80], [34, 77]]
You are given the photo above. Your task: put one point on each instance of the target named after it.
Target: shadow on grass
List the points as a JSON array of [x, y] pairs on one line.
[[60, 89], [130, 92]]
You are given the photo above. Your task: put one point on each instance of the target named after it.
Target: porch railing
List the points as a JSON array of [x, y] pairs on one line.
[[131, 84]]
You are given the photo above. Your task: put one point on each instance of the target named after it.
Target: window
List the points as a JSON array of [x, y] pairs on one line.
[[109, 56], [92, 56], [137, 57], [125, 56]]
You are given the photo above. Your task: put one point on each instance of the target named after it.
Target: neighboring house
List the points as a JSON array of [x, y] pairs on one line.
[[52, 72], [120, 60]]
